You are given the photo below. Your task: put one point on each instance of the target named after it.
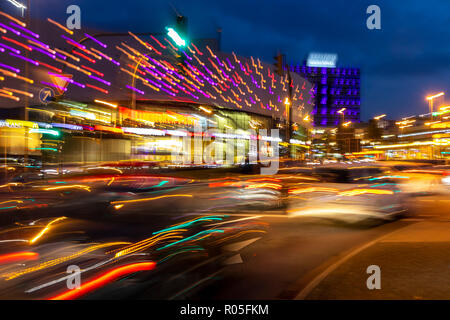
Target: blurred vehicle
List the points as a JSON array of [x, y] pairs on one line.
[[158, 235], [420, 179], [349, 194], [162, 259]]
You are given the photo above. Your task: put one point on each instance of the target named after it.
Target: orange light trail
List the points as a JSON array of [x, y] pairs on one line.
[[356, 192], [9, 97], [151, 199], [60, 26], [83, 56], [49, 66], [17, 43], [104, 279], [264, 185], [97, 88], [54, 262], [312, 189], [18, 256], [20, 92], [47, 227], [75, 186], [92, 70], [13, 19], [264, 179]]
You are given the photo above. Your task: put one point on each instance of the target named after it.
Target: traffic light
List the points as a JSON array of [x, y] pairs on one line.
[[278, 64], [182, 26], [176, 37], [179, 33]]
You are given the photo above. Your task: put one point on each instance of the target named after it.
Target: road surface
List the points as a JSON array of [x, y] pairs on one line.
[[311, 259]]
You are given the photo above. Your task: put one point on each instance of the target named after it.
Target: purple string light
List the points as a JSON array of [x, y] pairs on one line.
[[54, 85], [67, 79], [9, 67], [24, 58], [33, 39], [24, 29], [76, 44], [95, 40], [43, 51], [10, 29], [134, 89], [101, 80], [10, 48]]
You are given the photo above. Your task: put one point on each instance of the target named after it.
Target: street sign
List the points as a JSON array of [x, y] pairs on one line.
[[46, 95], [60, 81]]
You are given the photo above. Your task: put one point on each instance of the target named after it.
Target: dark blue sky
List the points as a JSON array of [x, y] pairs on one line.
[[401, 63]]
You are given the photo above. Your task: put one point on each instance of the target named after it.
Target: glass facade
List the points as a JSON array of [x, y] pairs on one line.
[[334, 89]]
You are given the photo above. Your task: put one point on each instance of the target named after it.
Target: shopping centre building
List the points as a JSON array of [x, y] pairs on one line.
[[81, 96]]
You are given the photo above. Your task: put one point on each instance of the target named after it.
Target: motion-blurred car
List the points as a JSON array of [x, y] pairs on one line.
[[349, 194], [421, 179], [168, 257]]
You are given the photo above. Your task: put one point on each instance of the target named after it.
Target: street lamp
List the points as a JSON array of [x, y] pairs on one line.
[[18, 5], [379, 117], [430, 99], [347, 123], [342, 113]]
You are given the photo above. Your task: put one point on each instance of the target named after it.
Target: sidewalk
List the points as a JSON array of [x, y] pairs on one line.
[[414, 263]]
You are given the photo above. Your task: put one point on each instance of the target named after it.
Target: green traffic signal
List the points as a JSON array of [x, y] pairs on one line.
[[176, 37]]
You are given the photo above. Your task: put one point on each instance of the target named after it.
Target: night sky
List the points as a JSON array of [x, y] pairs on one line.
[[400, 64]]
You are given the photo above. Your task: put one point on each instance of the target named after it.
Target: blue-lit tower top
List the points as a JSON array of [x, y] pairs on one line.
[[334, 89]]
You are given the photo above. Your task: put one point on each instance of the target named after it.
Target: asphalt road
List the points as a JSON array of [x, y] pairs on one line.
[[304, 258]]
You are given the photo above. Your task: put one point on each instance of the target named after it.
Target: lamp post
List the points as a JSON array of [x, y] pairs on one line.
[[341, 112], [25, 160], [430, 99], [379, 117]]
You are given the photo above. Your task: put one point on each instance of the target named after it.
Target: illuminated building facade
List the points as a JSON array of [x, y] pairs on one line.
[[335, 88], [422, 137], [142, 90]]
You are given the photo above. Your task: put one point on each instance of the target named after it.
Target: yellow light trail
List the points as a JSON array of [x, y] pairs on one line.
[[106, 103], [144, 244], [13, 19], [74, 186], [46, 228], [206, 110], [312, 189], [54, 262], [356, 192], [151, 199]]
